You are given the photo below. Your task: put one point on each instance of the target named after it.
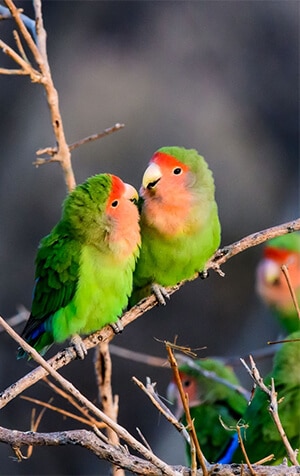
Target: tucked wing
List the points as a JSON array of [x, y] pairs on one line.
[[57, 272]]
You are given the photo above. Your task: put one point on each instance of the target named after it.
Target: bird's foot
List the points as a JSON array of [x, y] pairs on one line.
[[204, 274], [79, 346], [160, 293], [117, 327]]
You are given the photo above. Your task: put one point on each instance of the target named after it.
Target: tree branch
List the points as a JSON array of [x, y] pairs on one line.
[[106, 334], [42, 76]]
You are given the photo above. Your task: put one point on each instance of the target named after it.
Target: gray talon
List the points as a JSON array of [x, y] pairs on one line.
[[79, 346], [117, 327], [160, 293]]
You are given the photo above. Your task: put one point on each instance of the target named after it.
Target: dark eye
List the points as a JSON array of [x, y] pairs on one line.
[[177, 171], [186, 383], [115, 203]]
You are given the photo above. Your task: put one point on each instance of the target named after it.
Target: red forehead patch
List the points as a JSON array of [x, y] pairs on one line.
[[277, 254], [167, 161], [117, 189]]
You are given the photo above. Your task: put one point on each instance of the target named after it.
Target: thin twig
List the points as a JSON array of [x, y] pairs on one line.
[[70, 388], [43, 76], [285, 271], [107, 334], [103, 371], [273, 406], [238, 429], [52, 151], [184, 398], [182, 359], [149, 390], [91, 423], [73, 402]]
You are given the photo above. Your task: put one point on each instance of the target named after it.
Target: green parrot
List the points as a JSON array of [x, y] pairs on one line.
[[84, 266], [210, 401], [179, 222], [262, 437], [271, 284]]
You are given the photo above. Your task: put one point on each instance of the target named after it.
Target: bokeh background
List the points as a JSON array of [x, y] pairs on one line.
[[221, 77]]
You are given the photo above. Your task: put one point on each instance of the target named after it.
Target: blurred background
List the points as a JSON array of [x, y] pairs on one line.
[[221, 77]]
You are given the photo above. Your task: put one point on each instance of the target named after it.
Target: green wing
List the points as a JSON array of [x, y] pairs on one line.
[[57, 272], [57, 269], [262, 437]]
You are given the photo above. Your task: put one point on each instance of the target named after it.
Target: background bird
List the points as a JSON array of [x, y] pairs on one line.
[[271, 283], [210, 402], [262, 437], [180, 228], [84, 266]]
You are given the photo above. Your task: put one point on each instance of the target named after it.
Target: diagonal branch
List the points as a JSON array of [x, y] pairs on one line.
[[71, 389], [106, 334]]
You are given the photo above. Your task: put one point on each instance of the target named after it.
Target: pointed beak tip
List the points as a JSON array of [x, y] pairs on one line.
[[130, 192], [152, 175]]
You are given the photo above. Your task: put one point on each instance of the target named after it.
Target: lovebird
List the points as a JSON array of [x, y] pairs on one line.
[[271, 284], [179, 221], [210, 401], [262, 437], [84, 267]]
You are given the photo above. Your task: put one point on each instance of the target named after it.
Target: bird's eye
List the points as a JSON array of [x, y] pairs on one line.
[[177, 171], [186, 383], [115, 203]]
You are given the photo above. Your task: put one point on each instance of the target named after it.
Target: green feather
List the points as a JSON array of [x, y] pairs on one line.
[[167, 259], [81, 282], [262, 437]]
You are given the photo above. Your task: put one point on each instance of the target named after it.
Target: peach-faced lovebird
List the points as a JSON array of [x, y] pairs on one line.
[[210, 402], [84, 266], [262, 437], [180, 227], [271, 283]]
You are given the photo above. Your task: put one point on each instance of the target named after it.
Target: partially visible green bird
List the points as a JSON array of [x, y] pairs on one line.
[[262, 437], [84, 266], [271, 283], [210, 401], [179, 222]]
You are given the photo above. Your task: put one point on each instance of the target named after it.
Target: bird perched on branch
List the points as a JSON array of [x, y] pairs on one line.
[[261, 435], [271, 283], [180, 227], [84, 266], [213, 403]]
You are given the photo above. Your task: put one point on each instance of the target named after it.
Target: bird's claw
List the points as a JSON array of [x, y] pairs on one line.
[[160, 293], [204, 274], [79, 346], [117, 327]]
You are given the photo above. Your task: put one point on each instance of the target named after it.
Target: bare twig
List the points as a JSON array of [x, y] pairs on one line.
[[117, 455], [103, 371], [291, 289], [182, 359], [52, 151], [73, 416], [238, 429], [70, 388], [184, 398], [273, 407], [106, 334], [21, 316], [43, 76], [149, 390]]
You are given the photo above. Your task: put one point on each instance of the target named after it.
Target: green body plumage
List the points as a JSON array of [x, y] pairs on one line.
[[179, 220], [84, 266], [262, 437], [209, 402]]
